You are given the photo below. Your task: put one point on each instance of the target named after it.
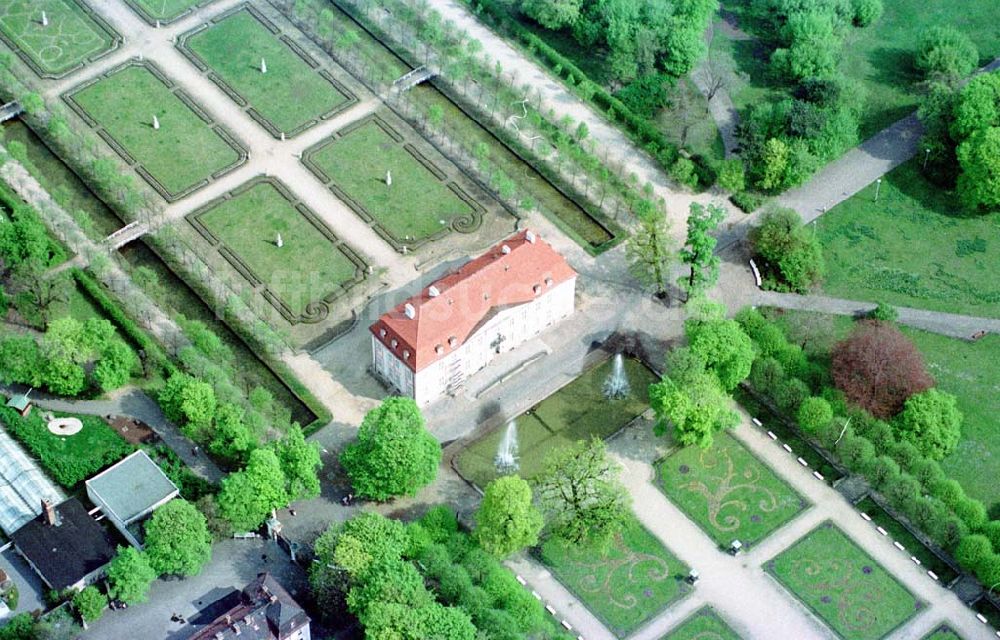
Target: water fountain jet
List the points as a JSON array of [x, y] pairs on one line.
[[506, 458], [616, 386]]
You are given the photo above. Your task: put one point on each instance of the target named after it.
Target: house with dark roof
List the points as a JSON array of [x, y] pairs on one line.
[[65, 546], [129, 491], [263, 611], [428, 345]]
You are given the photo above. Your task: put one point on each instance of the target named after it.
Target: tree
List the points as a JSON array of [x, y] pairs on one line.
[[552, 14], [396, 581], [394, 454], [699, 248], [932, 422], [945, 54], [972, 550], [979, 157], [732, 176], [177, 539], [248, 496], [772, 167], [650, 250], [580, 495], [130, 575], [187, 400], [866, 11], [90, 604], [507, 521], [793, 256], [231, 438], [300, 463], [814, 414], [878, 368], [728, 351], [115, 366], [36, 290], [697, 409]]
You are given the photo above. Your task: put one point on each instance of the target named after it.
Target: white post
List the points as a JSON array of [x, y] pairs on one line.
[[388, 178], [279, 241], [927, 154], [878, 186], [45, 19], [156, 122], [282, 136], [263, 65]]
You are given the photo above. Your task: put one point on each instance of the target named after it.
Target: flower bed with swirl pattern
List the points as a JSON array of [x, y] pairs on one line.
[[728, 492], [843, 585], [625, 585], [703, 624]]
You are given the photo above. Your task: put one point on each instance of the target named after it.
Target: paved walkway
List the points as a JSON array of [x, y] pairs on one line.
[[134, 404], [949, 324]]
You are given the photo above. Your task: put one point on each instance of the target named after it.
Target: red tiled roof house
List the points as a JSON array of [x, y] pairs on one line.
[[428, 345]]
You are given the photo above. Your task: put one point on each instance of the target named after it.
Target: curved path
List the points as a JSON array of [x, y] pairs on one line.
[[134, 404]]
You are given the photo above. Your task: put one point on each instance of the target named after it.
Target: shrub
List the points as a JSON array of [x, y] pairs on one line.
[[794, 258], [866, 11], [884, 312], [440, 522], [932, 422], [948, 491], [766, 374], [790, 394], [927, 472], [856, 452], [945, 53], [883, 471], [992, 531], [972, 550], [902, 492], [747, 201], [647, 95], [814, 414], [971, 512], [904, 453], [988, 571], [732, 176], [90, 603], [684, 173]]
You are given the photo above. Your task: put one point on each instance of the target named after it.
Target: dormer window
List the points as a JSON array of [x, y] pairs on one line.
[[548, 282], [537, 289], [439, 349], [452, 342], [394, 343], [406, 354], [381, 333]]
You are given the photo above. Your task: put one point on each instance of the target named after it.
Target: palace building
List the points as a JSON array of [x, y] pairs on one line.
[[427, 346]]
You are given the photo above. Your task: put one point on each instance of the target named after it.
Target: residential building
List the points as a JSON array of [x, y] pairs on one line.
[[129, 491], [431, 343], [263, 611]]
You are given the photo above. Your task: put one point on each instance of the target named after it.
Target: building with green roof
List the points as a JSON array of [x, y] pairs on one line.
[[129, 491]]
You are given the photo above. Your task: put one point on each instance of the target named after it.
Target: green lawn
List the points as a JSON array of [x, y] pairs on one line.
[[181, 154], [307, 267], [291, 95], [574, 412], [625, 586], [843, 585], [727, 491], [914, 247], [164, 10], [70, 38], [704, 624], [913, 546], [69, 460], [416, 206], [969, 370], [943, 632]]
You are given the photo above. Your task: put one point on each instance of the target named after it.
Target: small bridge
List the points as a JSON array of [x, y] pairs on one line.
[[125, 235], [11, 110], [412, 79]]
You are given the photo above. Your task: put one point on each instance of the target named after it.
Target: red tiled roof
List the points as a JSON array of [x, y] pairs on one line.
[[466, 297]]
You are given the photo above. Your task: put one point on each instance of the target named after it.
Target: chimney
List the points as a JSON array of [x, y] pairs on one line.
[[529, 236], [219, 635], [505, 249], [229, 619], [410, 311], [49, 511], [246, 619], [236, 629], [433, 291]]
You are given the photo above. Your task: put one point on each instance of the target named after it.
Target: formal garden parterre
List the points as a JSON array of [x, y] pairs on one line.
[[942, 632], [281, 85], [72, 35], [400, 184], [624, 585], [280, 245], [157, 128], [703, 624], [163, 12], [839, 582], [728, 492]]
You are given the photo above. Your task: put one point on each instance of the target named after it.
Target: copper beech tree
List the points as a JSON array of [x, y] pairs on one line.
[[878, 368]]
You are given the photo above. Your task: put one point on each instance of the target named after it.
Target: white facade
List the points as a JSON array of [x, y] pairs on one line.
[[504, 331]]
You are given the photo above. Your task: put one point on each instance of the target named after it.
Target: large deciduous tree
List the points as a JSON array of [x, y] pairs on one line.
[[300, 462], [507, 521], [552, 14], [177, 539], [698, 251], [580, 495], [249, 496], [726, 349], [697, 408], [394, 454], [130, 575], [932, 422], [878, 368], [945, 54], [979, 157], [793, 256], [650, 250]]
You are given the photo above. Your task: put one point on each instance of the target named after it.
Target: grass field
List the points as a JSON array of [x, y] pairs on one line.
[[704, 624], [165, 10], [290, 96], [307, 267], [913, 546], [636, 578], [574, 412], [879, 57], [68, 460], [70, 38], [416, 206], [943, 632], [182, 153], [914, 247], [727, 491], [843, 585]]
